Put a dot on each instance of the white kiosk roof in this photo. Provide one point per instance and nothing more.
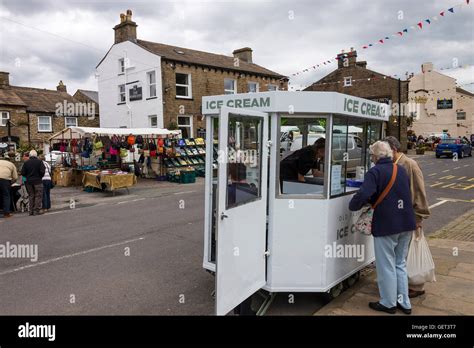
(77, 132)
(299, 102)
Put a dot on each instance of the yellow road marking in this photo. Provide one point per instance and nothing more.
(432, 174)
(448, 177)
(471, 179)
(447, 170)
(448, 185)
(462, 186)
(462, 177)
(457, 167)
(439, 183)
(456, 200)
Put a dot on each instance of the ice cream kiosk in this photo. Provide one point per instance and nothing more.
(265, 229)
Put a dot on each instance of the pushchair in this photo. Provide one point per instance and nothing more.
(23, 202)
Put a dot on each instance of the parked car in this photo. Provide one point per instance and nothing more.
(448, 147)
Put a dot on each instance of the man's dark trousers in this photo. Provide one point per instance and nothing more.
(35, 196)
(5, 195)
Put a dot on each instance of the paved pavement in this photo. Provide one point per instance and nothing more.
(452, 248)
(82, 251)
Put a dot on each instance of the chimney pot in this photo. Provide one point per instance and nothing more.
(244, 54)
(126, 30)
(61, 87)
(4, 79)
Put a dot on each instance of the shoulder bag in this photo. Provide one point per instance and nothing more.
(364, 222)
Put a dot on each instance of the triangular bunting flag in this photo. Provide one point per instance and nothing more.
(386, 38)
(420, 25)
(441, 14)
(381, 41)
(364, 47)
(467, 2)
(405, 30)
(428, 21)
(400, 33)
(435, 18)
(370, 44)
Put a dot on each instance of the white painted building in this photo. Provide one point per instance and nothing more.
(130, 88)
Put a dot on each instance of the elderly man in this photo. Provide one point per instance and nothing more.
(33, 170)
(8, 175)
(418, 194)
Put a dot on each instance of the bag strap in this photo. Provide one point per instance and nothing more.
(388, 188)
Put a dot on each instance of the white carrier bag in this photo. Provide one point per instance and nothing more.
(420, 264)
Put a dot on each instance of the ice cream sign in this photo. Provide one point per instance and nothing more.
(250, 103)
(364, 108)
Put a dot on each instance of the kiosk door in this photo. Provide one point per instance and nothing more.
(242, 206)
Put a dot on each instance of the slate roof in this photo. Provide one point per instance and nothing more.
(94, 95)
(35, 99)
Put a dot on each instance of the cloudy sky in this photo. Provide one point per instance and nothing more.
(42, 42)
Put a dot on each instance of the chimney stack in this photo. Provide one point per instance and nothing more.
(126, 30)
(426, 67)
(4, 79)
(61, 87)
(349, 57)
(244, 54)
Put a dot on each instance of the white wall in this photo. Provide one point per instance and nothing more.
(141, 62)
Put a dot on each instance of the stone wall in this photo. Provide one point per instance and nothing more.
(205, 82)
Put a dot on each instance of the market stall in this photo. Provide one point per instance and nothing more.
(103, 157)
(286, 229)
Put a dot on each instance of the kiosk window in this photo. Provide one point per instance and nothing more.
(302, 152)
(349, 154)
(243, 160)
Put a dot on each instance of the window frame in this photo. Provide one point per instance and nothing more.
(234, 82)
(273, 85)
(259, 135)
(190, 125)
(121, 66)
(150, 84)
(150, 123)
(347, 81)
(124, 93)
(50, 124)
(4, 119)
(461, 112)
(257, 86)
(325, 194)
(70, 117)
(188, 86)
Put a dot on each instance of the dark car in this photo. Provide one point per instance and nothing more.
(448, 147)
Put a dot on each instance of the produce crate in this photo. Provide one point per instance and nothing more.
(188, 177)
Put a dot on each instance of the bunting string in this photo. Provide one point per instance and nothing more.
(422, 24)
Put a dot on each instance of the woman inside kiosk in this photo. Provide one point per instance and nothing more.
(299, 163)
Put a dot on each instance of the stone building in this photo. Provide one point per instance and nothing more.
(149, 84)
(444, 106)
(32, 115)
(352, 77)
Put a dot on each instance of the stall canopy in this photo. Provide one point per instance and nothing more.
(79, 132)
